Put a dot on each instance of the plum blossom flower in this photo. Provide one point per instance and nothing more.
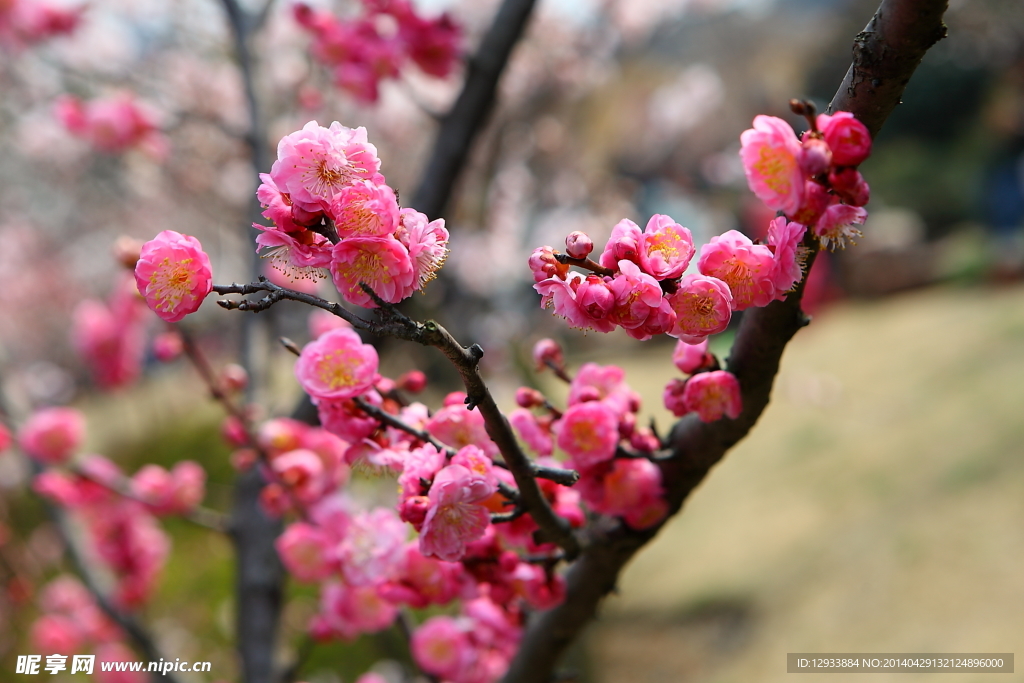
(637, 295)
(744, 266)
(316, 163)
(173, 274)
(458, 427)
(589, 432)
(456, 516)
(665, 248)
(52, 435)
(784, 237)
(427, 243)
(703, 307)
(623, 244)
(169, 493)
(713, 394)
(442, 647)
(562, 297)
(847, 137)
(337, 365)
(372, 548)
(383, 263)
(692, 357)
(770, 153)
(365, 209)
(306, 551)
(836, 226)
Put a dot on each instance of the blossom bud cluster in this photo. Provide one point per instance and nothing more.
(638, 283)
(113, 124)
(598, 430)
(71, 622)
(709, 392)
(376, 45)
(332, 212)
(26, 22)
(122, 529)
(813, 180)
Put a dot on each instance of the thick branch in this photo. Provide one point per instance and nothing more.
(393, 323)
(885, 55)
(460, 126)
(900, 33)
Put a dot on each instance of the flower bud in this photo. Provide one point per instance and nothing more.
(529, 398)
(815, 156)
(547, 351)
(578, 244)
(234, 377)
(167, 346)
(413, 381)
(544, 265)
(126, 251)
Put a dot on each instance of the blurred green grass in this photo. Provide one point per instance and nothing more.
(878, 506)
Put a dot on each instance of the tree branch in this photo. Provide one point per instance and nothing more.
(461, 125)
(884, 60)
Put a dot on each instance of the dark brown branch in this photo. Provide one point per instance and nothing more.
(900, 33)
(390, 420)
(394, 323)
(460, 126)
(885, 55)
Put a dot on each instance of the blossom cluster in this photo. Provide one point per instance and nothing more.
(26, 22)
(110, 336)
(638, 283)
(453, 491)
(71, 622)
(113, 124)
(119, 513)
(333, 212)
(709, 392)
(813, 180)
(366, 50)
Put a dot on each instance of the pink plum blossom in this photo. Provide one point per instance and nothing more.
(316, 163)
(424, 581)
(110, 336)
(744, 266)
(372, 548)
(348, 611)
(442, 647)
(770, 153)
(383, 263)
(306, 551)
(337, 365)
(606, 383)
(637, 295)
(665, 248)
(713, 394)
(836, 226)
(458, 427)
(850, 186)
(561, 296)
(589, 432)
(427, 242)
(365, 209)
(52, 435)
(623, 244)
(847, 137)
(815, 156)
(432, 44)
(529, 430)
(112, 125)
(170, 493)
(301, 471)
(544, 265)
(703, 306)
(174, 275)
(456, 516)
(784, 237)
(692, 357)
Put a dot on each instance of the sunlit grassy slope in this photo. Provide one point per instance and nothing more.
(878, 506)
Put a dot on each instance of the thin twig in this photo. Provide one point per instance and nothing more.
(399, 424)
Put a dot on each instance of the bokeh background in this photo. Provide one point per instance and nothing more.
(877, 507)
